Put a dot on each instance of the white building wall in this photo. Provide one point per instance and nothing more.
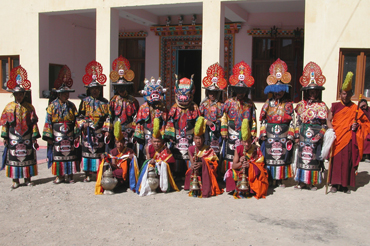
(329, 26)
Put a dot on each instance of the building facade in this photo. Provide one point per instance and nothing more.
(164, 37)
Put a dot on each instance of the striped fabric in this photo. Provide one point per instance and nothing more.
(21, 172)
(280, 172)
(308, 177)
(90, 165)
(63, 168)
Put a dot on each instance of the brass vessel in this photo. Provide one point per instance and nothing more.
(153, 181)
(108, 182)
(194, 182)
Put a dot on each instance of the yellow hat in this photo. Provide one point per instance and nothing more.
(347, 84)
(157, 128)
(245, 132)
(200, 126)
(117, 131)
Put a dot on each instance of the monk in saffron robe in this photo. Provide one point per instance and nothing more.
(249, 157)
(159, 158)
(365, 108)
(204, 162)
(350, 134)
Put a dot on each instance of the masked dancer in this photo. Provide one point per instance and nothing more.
(277, 124)
(61, 130)
(19, 131)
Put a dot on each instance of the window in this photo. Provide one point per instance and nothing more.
(354, 60)
(53, 74)
(7, 63)
(133, 49)
(266, 50)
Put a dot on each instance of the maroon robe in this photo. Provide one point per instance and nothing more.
(118, 172)
(342, 166)
(367, 140)
(203, 172)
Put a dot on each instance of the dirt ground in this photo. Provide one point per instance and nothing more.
(70, 214)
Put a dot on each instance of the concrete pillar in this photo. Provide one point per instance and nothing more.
(212, 35)
(107, 28)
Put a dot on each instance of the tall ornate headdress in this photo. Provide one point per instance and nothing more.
(94, 75)
(184, 90)
(18, 81)
(215, 79)
(312, 78)
(64, 81)
(121, 74)
(200, 126)
(347, 84)
(279, 77)
(241, 77)
(153, 90)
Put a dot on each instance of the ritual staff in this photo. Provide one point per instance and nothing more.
(121, 160)
(61, 130)
(203, 169)
(310, 128)
(160, 161)
(123, 106)
(365, 108)
(93, 114)
(180, 125)
(235, 110)
(19, 131)
(351, 127)
(153, 108)
(249, 163)
(211, 108)
(277, 124)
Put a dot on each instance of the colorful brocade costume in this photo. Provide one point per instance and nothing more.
(234, 112)
(163, 161)
(181, 122)
(180, 128)
(94, 112)
(124, 109)
(144, 123)
(207, 173)
(19, 128)
(256, 173)
(61, 128)
(310, 129)
(277, 125)
(153, 108)
(212, 111)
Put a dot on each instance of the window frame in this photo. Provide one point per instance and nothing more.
(122, 51)
(10, 61)
(360, 72)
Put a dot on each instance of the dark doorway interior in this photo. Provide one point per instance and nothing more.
(190, 62)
